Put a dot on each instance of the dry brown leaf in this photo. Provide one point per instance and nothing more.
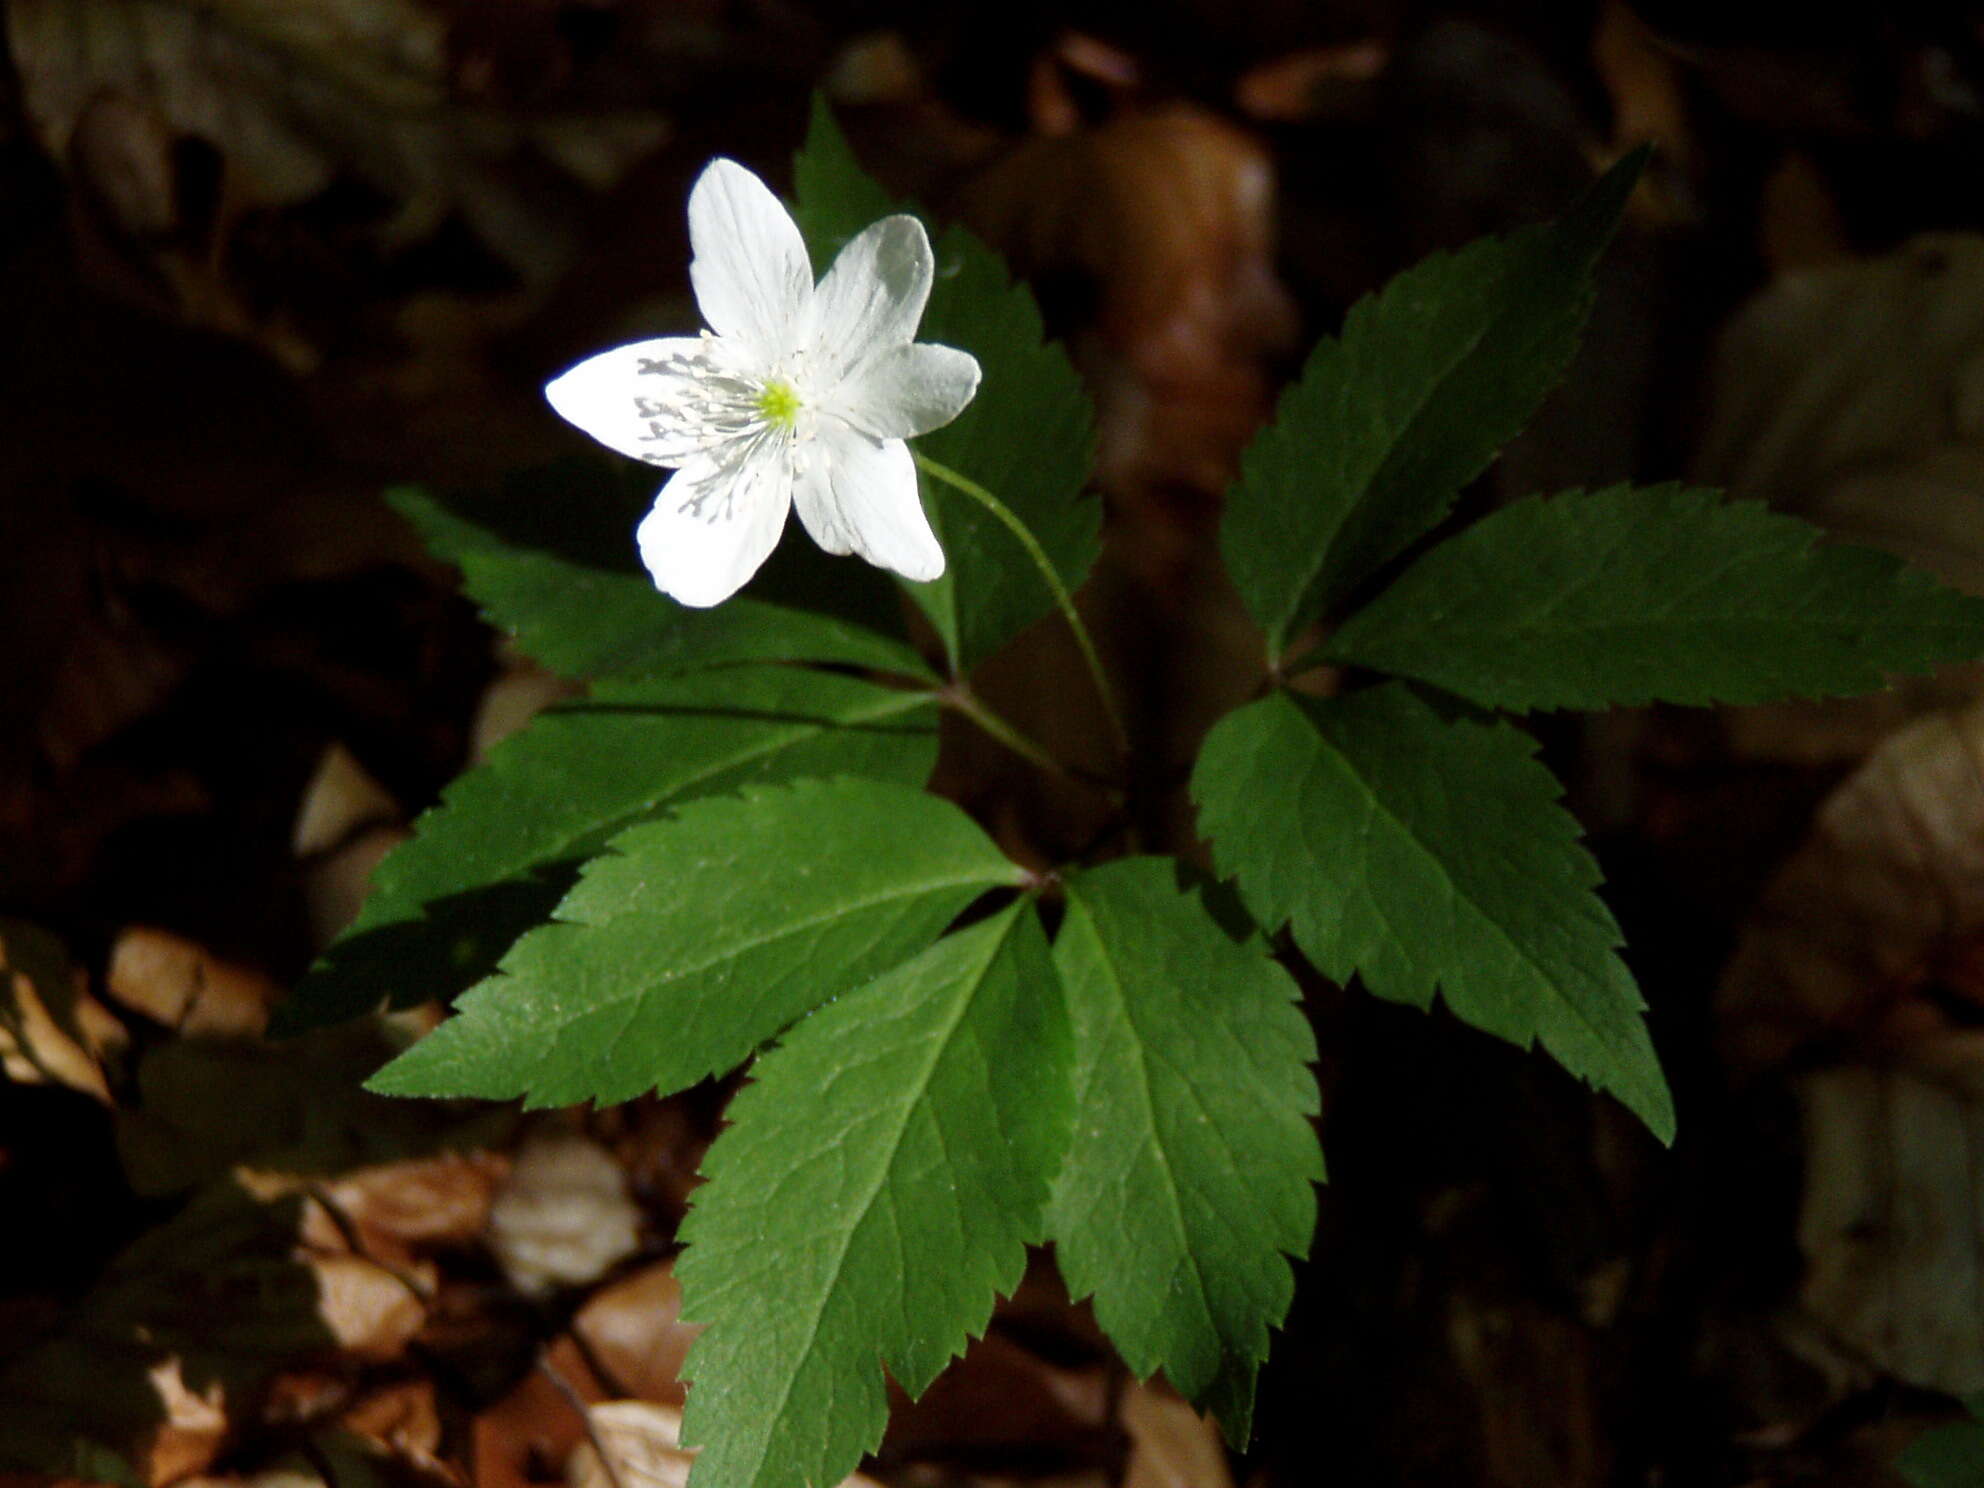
(1836, 732)
(306, 1393)
(391, 1212)
(659, 1144)
(397, 1208)
(1799, 224)
(1171, 1445)
(1530, 1374)
(1864, 955)
(178, 983)
(51, 1029)
(876, 67)
(1169, 214)
(166, 1352)
(122, 152)
(638, 1444)
(563, 1217)
(1334, 82)
(1889, 1224)
(335, 886)
(372, 1313)
(1052, 106)
(1859, 932)
(1649, 106)
(522, 1438)
(632, 1444)
(36, 1050)
(296, 93)
(210, 1106)
(1853, 396)
(341, 800)
(1167, 217)
(402, 1418)
(513, 700)
(1003, 1396)
(634, 1330)
(194, 1424)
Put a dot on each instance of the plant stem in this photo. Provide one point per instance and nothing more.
(1049, 574)
(967, 702)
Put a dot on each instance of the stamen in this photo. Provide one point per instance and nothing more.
(779, 403)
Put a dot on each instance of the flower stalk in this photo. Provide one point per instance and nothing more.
(1049, 575)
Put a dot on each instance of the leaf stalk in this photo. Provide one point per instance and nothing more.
(959, 696)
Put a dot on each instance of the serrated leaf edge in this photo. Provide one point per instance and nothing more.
(1013, 915)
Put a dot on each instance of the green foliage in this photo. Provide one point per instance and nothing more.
(1664, 594)
(759, 864)
(1189, 1177)
(209, 1106)
(1421, 853)
(834, 199)
(697, 938)
(1430, 377)
(1028, 436)
(499, 851)
(878, 1184)
(550, 559)
(1947, 1456)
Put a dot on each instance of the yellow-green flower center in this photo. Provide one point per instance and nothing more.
(778, 403)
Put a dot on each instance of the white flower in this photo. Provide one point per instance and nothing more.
(797, 395)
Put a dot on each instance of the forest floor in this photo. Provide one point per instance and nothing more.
(261, 264)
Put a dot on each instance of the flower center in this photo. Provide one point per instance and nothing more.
(778, 403)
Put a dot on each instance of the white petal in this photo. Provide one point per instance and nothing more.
(908, 390)
(858, 495)
(715, 523)
(750, 269)
(874, 294)
(623, 398)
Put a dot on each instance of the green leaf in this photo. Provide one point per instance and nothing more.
(1668, 594)
(1945, 1457)
(697, 938)
(833, 197)
(1388, 422)
(550, 560)
(1028, 436)
(878, 1184)
(500, 850)
(1421, 853)
(1190, 1175)
(208, 1106)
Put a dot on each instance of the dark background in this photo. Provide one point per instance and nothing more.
(255, 266)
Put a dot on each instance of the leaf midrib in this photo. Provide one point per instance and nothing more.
(737, 950)
(1361, 493)
(389, 885)
(1383, 808)
(939, 1046)
(1148, 1100)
